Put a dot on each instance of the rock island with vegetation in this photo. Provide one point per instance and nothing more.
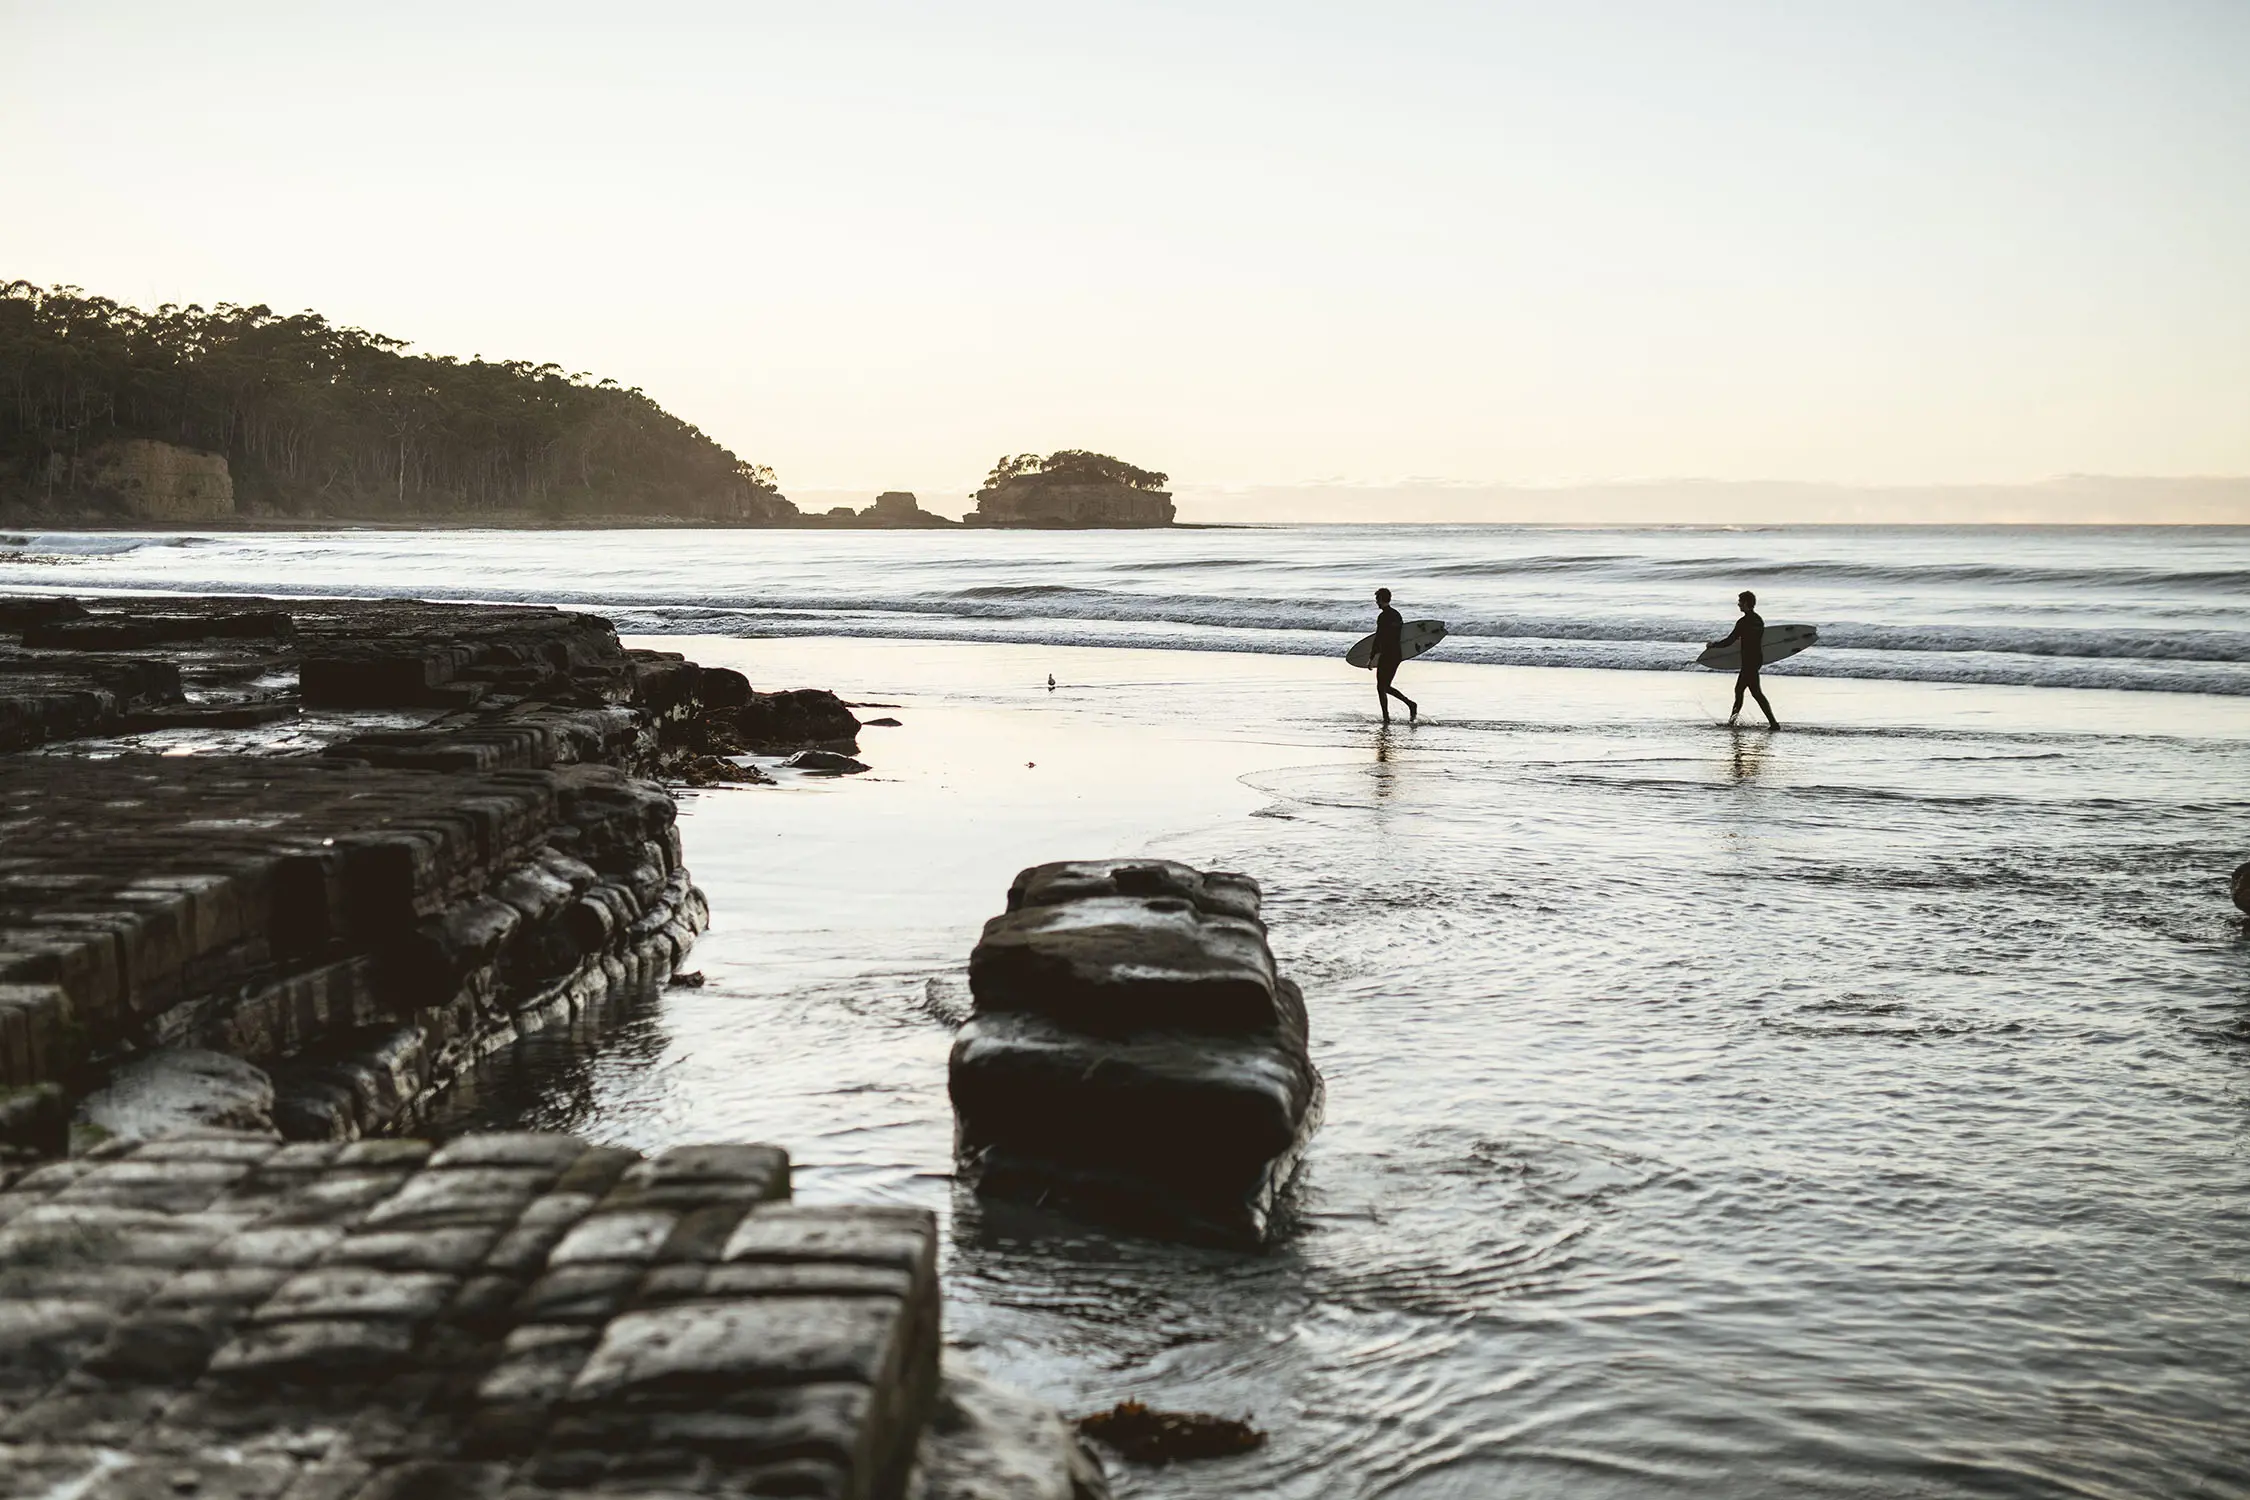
(1071, 488)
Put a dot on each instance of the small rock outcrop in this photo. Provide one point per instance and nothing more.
(824, 763)
(899, 508)
(2240, 888)
(1132, 1053)
(893, 510)
(727, 717)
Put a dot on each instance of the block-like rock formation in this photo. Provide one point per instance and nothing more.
(1045, 501)
(360, 933)
(442, 841)
(521, 1315)
(1132, 1052)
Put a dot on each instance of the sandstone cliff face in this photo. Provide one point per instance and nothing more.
(153, 481)
(1034, 501)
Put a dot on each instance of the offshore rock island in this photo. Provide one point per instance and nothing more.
(188, 416)
(1072, 488)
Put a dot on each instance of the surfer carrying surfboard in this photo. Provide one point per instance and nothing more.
(1389, 652)
(1750, 636)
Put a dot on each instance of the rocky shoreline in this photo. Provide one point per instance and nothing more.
(274, 875)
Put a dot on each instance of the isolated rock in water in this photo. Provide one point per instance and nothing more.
(1135, 1056)
(801, 718)
(986, 1442)
(2241, 886)
(1220, 892)
(824, 760)
(167, 1092)
(1115, 964)
(713, 770)
(1164, 1123)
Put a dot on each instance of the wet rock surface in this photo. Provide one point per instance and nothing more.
(361, 934)
(986, 1442)
(247, 965)
(179, 1089)
(426, 832)
(1132, 1053)
(824, 762)
(223, 1314)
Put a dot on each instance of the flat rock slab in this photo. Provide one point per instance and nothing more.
(165, 1092)
(222, 1314)
(1220, 892)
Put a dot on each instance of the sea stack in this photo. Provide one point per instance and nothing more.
(1071, 488)
(1132, 1054)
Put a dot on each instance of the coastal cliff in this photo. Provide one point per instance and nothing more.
(145, 480)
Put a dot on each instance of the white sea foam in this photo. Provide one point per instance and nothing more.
(2150, 608)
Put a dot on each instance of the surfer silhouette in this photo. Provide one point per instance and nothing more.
(1388, 653)
(1750, 635)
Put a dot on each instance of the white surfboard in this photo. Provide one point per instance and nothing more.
(1781, 641)
(1414, 638)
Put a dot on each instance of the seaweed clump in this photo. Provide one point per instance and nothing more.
(1161, 1437)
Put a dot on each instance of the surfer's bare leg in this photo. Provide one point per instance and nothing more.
(1748, 682)
(1384, 693)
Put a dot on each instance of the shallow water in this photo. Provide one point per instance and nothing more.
(2145, 608)
(1854, 1111)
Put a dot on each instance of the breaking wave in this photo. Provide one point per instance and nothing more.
(2149, 609)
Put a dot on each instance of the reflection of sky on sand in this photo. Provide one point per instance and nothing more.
(1840, 1111)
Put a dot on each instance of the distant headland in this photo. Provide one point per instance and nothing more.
(231, 415)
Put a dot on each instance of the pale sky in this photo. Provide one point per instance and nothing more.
(1253, 245)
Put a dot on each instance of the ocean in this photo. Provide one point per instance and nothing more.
(2143, 608)
(1856, 1110)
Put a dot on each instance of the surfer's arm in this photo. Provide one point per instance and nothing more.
(1732, 636)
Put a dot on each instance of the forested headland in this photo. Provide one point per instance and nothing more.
(319, 421)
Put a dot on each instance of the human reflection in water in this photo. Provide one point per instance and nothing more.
(1749, 756)
(1384, 775)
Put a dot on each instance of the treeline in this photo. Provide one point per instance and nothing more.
(1072, 466)
(315, 419)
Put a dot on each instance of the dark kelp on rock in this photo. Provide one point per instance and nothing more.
(1162, 1437)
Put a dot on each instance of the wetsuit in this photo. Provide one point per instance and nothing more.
(1750, 634)
(1388, 652)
